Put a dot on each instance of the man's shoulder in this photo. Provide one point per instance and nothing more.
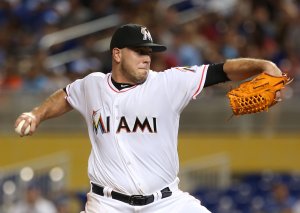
(154, 75)
(96, 74)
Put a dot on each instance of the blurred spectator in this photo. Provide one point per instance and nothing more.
(33, 202)
(33, 70)
(77, 13)
(101, 8)
(185, 46)
(62, 204)
(280, 200)
(10, 79)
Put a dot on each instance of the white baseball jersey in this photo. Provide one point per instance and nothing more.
(134, 131)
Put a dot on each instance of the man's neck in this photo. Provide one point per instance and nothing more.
(121, 86)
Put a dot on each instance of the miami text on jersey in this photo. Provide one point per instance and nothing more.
(148, 124)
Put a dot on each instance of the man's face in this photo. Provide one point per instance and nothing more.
(135, 64)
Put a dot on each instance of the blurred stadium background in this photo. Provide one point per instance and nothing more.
(247, 164)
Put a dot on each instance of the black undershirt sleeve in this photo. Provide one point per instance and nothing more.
(215, 74)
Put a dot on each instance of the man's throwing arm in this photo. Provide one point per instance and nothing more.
(54, 106)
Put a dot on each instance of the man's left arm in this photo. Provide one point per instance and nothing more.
(243, 68)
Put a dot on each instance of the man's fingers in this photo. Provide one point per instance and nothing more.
(32, 127)
(23, 128)
(29, 120)
(278, 96)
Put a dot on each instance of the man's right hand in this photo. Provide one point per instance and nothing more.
(30, 120)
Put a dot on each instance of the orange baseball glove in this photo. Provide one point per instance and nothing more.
(257, 94)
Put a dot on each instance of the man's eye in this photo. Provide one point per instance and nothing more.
(143, 52)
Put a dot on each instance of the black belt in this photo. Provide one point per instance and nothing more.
(134, 200)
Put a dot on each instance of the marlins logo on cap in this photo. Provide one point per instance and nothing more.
(146, 34)
(134, 35)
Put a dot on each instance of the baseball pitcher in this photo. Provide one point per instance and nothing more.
(132, 115)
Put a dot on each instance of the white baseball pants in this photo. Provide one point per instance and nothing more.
(178, 202)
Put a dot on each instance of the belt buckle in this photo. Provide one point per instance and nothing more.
(135, 200)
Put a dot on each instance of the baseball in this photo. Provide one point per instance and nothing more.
(19, 128)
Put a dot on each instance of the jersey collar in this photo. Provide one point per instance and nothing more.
(113, 88)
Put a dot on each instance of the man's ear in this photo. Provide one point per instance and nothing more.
(116, 55)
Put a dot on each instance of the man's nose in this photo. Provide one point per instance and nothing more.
(147, 59)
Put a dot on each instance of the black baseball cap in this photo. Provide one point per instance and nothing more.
(134, 35)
